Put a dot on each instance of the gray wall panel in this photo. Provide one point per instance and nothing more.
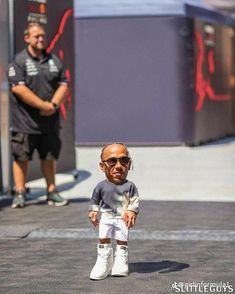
(133, 80)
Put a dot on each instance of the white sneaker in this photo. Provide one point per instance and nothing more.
(120, 267)
(104, 262)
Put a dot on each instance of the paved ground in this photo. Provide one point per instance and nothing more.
(188, 239)
(52, 250)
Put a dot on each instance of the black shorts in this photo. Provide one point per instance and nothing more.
(47, 145)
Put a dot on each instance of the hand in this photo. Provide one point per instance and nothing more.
(93, 217)
(47, 109)
(129, 218)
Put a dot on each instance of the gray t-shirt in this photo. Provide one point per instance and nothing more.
(109, 197)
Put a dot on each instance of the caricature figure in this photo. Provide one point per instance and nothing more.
(117, 200)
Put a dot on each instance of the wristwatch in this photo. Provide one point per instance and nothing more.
(56, 106)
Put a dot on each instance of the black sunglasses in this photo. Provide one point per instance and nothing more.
(113, 161)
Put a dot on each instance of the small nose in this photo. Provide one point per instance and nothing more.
(118, 164)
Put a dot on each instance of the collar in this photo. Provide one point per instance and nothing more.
(43, 59)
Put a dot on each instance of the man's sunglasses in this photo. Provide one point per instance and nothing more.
(113, 161)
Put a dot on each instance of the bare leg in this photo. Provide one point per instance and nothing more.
(105, 241)
(48, 168)
(20, 169)
(121, 242)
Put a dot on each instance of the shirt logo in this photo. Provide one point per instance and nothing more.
(31, 68)
(52, 66)
(11, 71)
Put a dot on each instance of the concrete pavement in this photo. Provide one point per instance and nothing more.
(179, 173)
(52, 250)
(185, 231)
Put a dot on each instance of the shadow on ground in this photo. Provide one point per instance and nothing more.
(36, 201)
(163, 267)
(36, 192)
(4, 202)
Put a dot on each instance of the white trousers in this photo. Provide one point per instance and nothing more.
(112, 227)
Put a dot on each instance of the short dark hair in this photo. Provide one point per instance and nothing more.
(118, 143)
(30, 25)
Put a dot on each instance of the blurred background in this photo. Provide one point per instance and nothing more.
(157, 75)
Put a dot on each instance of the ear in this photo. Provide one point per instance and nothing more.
(26, 39)
(130, 165)
(102, 166)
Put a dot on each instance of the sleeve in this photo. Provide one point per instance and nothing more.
(95, 199)
(134, 199)
(16, 74)
(63, 78)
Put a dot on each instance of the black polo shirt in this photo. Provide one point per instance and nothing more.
(43, 77)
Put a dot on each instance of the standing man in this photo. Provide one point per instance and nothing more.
(37, 87)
